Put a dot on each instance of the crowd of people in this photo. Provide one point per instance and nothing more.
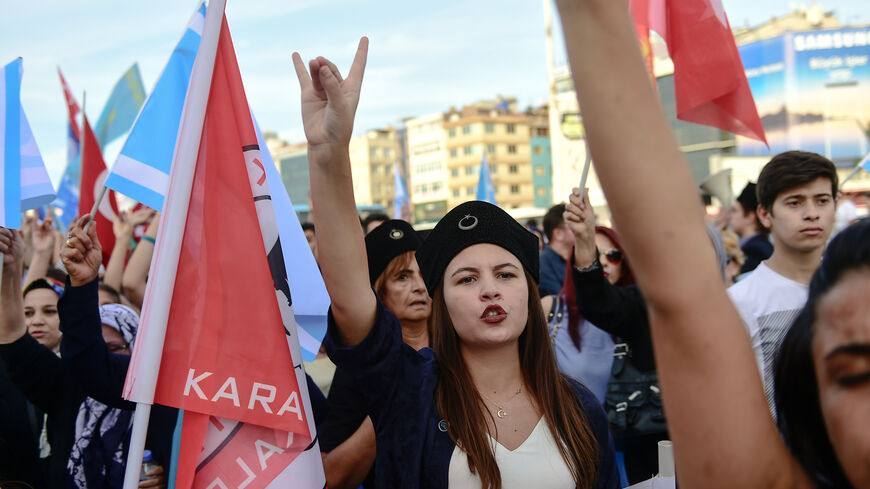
(488, 353)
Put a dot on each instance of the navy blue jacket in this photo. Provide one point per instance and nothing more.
(757, 249)
(400, 397)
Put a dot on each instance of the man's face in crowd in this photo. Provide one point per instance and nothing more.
(802, 217)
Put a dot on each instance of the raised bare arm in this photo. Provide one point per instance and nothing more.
(717, 415)
(328, 107)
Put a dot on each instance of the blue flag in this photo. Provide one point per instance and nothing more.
(25, 184)
(401, 205)
(141, 171)
(485, 190)
(122, 107)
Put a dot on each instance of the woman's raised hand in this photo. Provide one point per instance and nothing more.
(329, 102)
(12, 246)
(82, 253)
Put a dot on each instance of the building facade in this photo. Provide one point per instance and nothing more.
(427, 166)
(504, 136)
(372, 158)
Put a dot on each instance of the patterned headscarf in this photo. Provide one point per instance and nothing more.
(102, 437)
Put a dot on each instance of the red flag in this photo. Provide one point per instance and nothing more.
(709, 78)
(72, 106)
(94, 173)
(226, 360)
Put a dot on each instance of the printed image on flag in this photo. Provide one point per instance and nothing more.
(401, 204)
(141, 171)
(231, 357)
(25, 183)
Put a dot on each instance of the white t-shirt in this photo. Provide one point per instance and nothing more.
(536, 463)
(768, 304)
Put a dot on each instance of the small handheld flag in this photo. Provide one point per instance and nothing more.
(485, 189)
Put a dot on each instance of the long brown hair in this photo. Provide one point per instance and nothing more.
(463, 408)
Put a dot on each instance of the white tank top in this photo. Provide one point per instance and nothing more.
(536, 463)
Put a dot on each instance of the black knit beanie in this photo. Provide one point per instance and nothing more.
(472, 223)
(387, 241)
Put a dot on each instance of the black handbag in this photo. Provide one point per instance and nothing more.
(633, 400)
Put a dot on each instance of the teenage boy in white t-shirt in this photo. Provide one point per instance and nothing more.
(796, 203)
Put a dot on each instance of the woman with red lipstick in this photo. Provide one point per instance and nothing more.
(486, 406)
(347, 438)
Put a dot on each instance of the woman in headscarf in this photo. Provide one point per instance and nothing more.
(86, 438)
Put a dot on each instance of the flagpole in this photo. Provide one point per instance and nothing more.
(854, 171)
(155, 311)
(585, 173)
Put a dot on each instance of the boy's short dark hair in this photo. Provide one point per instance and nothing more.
(374, 216)
(791, 169)
(307, 226)
(553, 219)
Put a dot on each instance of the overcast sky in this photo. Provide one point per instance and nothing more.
(424, 56)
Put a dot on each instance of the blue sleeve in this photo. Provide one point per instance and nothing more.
(99, 373)
(608, 477)
(381, 362)
(552, 273)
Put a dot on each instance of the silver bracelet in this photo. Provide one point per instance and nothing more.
(596, 264)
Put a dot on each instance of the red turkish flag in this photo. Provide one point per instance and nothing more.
(710, 81)
(94, 174)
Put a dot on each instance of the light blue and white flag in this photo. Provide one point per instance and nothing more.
(121, 109)
(401, 205)
(865, 163)
(485, 189)
(310, 299)
(25, 183)
(141, 171)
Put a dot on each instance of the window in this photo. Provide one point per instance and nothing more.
(540, 171)
(376, 167)
(511, 128)
(515, 189)
(513, 169)
(436, 186)
(490, 148)
(469, 190)
(456, 192)
(468, 150)
(454, 172)
(493, 169)
(466, 129)
(469, 170)
(387, 152)
(512, 148)
(495, 189)
(489, 127)
(538, 150)
(541, 191)
(452, 133)
(373, 151)
(453, 153)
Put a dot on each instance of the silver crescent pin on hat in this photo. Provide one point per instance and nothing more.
(470, 225)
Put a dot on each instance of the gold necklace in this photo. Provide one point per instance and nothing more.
(501, 413)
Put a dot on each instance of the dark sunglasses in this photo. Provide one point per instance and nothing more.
(613, 255)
